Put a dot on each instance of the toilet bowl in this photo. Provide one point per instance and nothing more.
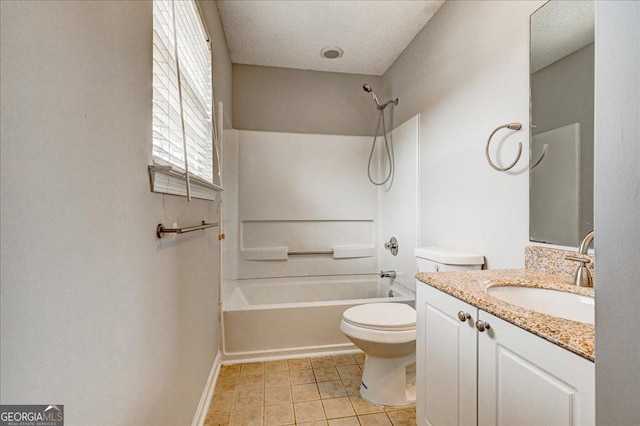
(386, 333)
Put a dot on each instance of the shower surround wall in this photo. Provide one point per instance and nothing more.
(398, 204)
(301, 193)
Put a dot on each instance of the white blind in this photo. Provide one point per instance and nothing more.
(194, 56)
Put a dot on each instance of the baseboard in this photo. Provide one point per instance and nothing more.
(309, 352)
(205, 399)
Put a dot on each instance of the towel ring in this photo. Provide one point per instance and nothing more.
(545, 147)
(511, 126)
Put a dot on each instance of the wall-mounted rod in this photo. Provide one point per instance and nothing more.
(161, 230)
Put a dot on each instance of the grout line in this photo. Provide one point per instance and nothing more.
(290, 385)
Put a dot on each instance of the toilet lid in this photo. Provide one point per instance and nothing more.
(385, 316)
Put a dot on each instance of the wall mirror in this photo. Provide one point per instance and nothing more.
(562, 109)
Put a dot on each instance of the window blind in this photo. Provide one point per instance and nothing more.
(179, 23)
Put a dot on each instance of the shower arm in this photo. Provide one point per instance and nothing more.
(384, 105)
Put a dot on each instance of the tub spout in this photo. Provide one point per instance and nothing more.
(387, 274)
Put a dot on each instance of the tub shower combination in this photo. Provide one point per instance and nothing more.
(324, 246)
(264, 318)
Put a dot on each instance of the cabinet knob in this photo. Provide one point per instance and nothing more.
(482, 326)
(463, 316)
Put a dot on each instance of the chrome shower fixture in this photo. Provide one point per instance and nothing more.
(388, 146)
(367, 88)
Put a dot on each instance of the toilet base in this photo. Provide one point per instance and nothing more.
(389, 381)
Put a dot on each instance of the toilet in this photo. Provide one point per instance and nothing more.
(434, 259)
(386, 333)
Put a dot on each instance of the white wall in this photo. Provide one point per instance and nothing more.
(398, 204)
(466, 73)
(304, 192)
(617, 212)
(96, 313)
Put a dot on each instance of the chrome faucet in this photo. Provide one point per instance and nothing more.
(387, 274)
(583, 277)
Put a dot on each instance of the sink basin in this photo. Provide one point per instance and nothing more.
(557, 303)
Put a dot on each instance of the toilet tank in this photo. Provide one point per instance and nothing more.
(435, 259)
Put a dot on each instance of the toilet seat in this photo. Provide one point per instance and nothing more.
(380, 322)
(386, 333)
(391, 317)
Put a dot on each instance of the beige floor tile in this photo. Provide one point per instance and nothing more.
(380, 419)
(229, 371)
(359, 357)
(406, 417)
(322, 362)
(217, 418)
(318, 423)
(249, 398)
(338, 407)
(222, 401)
(308, 392)
(363, 407)
(333, 389)
(308, 411)
(326, 374)
(278, 378)
(251, 381)
(279, 365)
(299, 377)
(252, 368)
(299, 364)
(346, 359)
(345, 421)
(352, 385)
(389, 408)
(247, 417)
(277, 395)
(227, 383)
(349, 371)
(281, 414)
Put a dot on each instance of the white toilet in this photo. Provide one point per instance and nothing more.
(434, 259)
(386, 333)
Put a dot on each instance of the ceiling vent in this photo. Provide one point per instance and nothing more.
(331, 52)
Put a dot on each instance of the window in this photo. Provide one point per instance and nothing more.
(182, 101)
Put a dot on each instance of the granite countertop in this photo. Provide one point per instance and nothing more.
(470, 287)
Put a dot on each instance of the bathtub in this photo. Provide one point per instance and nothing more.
(272, 318)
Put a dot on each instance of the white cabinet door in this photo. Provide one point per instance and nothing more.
(445, 360)
(526, 380)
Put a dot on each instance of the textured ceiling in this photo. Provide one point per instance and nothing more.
(560, 28)
(290, 34)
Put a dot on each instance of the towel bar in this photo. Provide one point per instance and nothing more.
(161, 230)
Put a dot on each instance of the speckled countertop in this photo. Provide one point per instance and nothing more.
(470, 287)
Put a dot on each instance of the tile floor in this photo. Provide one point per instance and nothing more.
(311, 391)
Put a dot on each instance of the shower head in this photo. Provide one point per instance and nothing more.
(367, 88)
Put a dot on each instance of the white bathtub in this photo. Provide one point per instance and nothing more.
(264, 318)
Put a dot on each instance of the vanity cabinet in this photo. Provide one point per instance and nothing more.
(446, 359)
(503, 375)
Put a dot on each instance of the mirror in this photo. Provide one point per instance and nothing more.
(562, 109)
